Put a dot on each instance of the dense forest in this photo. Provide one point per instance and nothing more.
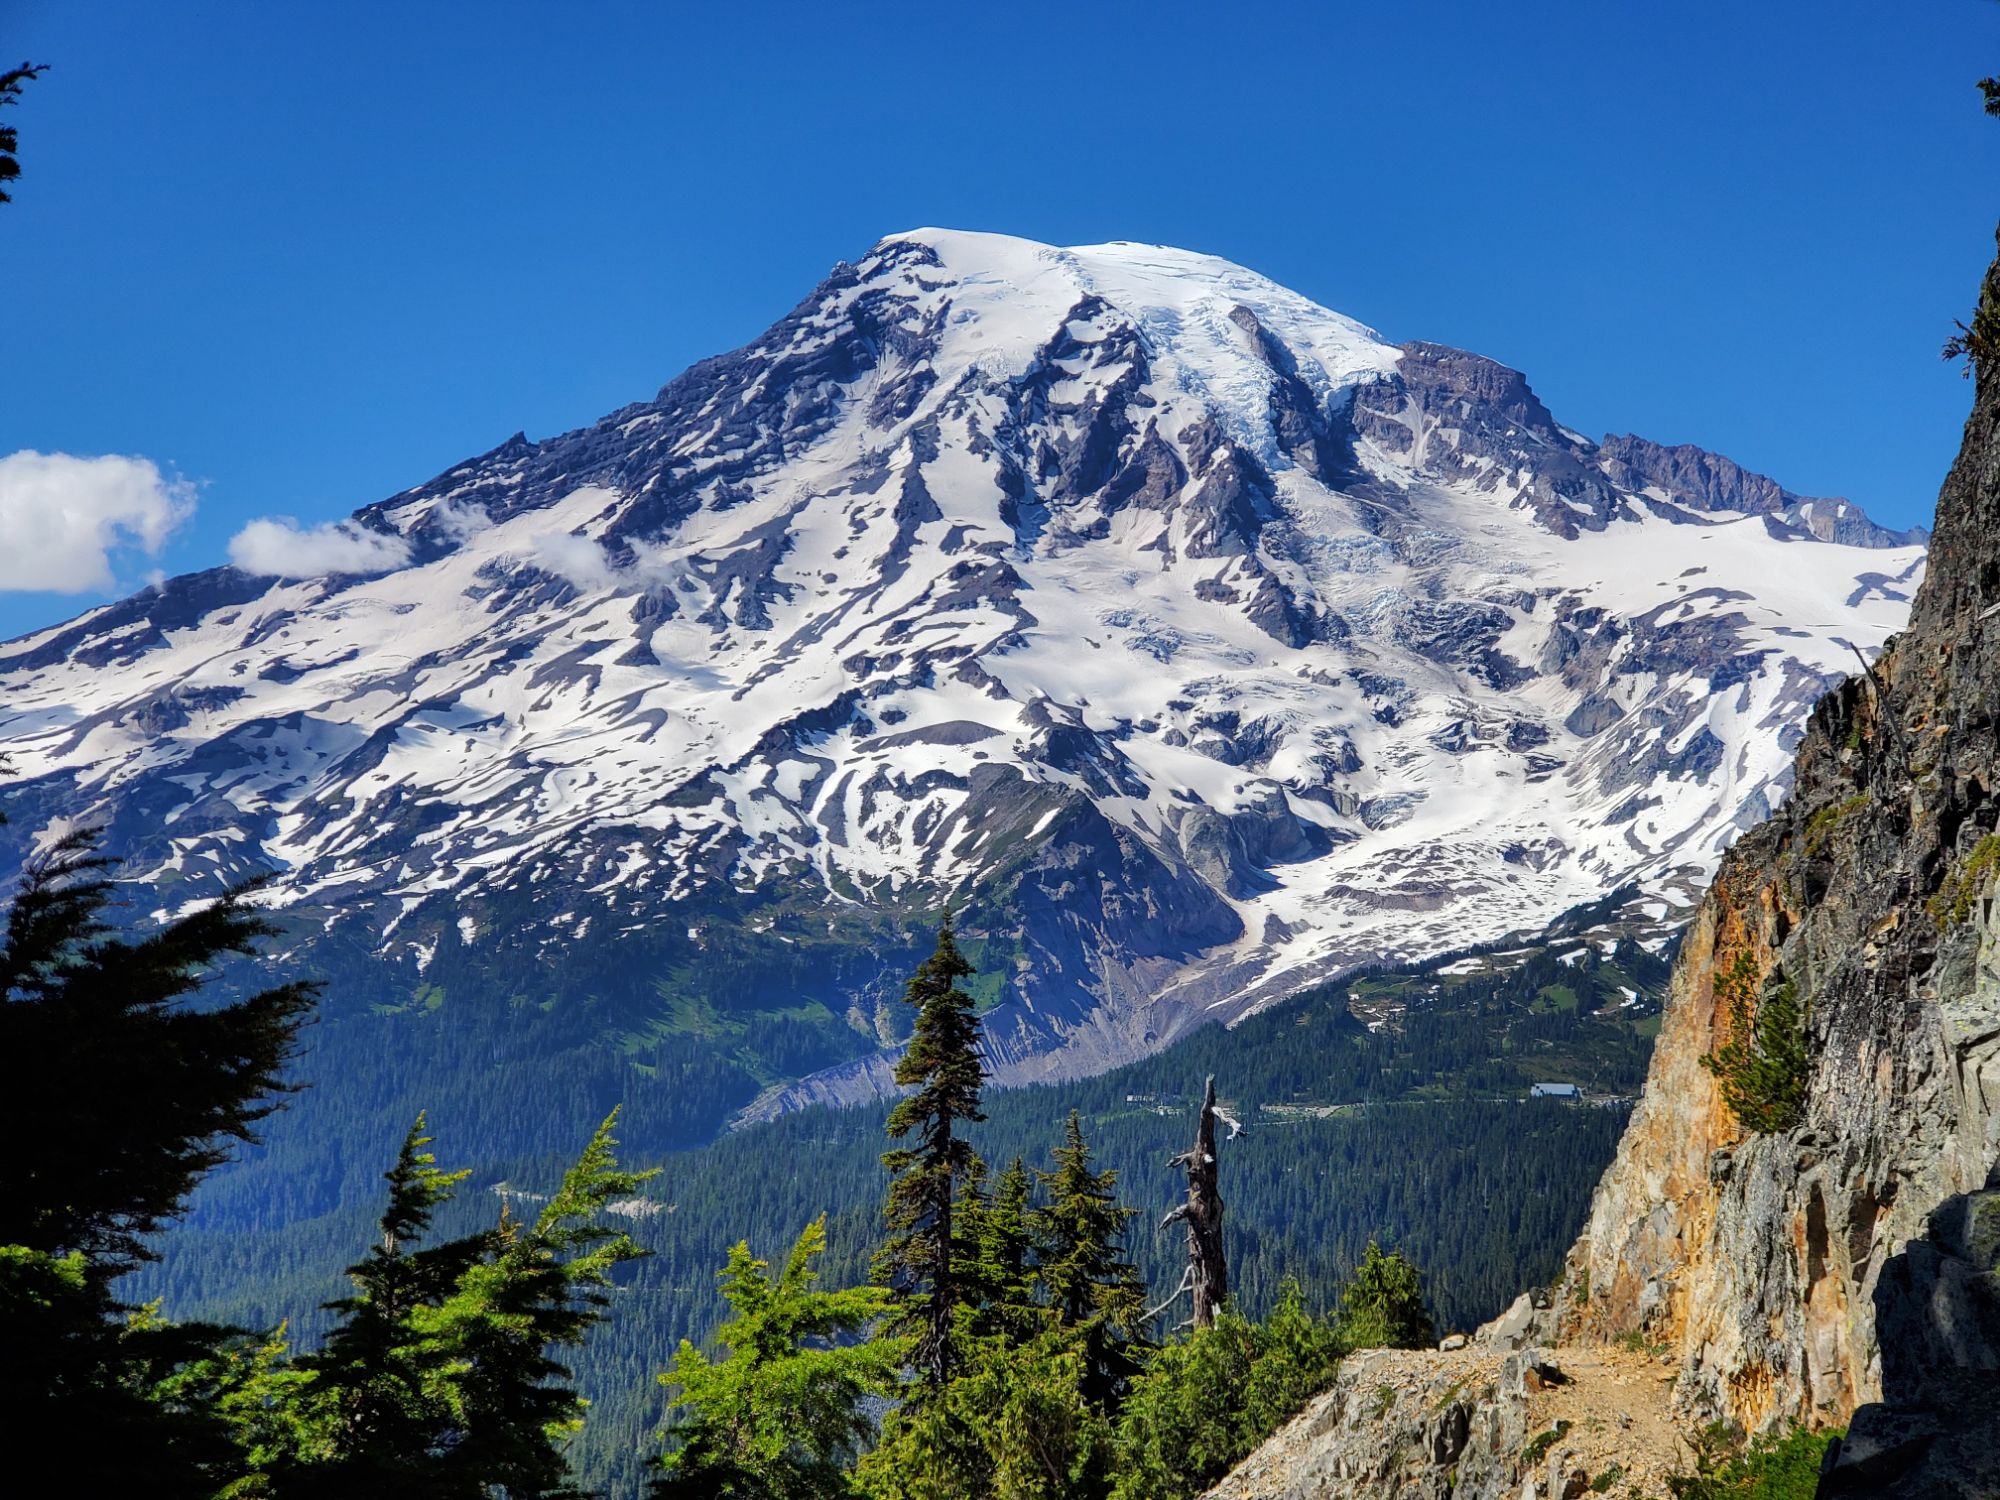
(1418, 1133)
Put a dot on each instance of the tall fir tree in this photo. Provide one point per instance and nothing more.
(549, 1283)
(942, 1069)
(116, 1096)
(378, 1397)
(1092, 1288)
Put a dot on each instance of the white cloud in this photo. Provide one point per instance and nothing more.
(575, 558)
(61, 517)
(462, 520)
(279, 548)
(587, 565)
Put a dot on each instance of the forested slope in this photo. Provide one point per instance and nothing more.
(1418, 1132)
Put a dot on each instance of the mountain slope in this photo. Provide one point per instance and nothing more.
(1198, 640)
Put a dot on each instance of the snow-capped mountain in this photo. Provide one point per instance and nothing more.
(1195, 639)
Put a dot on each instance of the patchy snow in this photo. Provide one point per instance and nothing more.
(802, 670)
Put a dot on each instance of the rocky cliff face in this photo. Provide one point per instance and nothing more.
(1841, 1266)
(1848, 1262)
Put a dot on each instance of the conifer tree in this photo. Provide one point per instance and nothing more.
(1206, 1401)
(379, 1393)
(1383, 1307)
(941, 1067)
(11, 83)
(779, 1418)
(115, 1098)
(439, 1381)
(548, 1284)
(996, 1251)
(1092, 1288)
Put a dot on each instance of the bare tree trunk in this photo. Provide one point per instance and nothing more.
(1208, 1270)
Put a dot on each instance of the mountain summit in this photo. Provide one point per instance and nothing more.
(1195, 639)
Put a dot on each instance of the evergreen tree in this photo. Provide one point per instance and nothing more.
(1206, 1401)
(116, 1096)
(1014, 1424)
(11, 83)
(779, 1418)
(1297, 1357)
(1091, 1286)
(378, 1402)
(942, 1069)
(549, 1283)
(1383, 1307)
(1184, 1423)
(1763, 1069)
(996, 1249)
(439, 1381)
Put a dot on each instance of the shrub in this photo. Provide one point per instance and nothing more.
(1207, 1400)
(1776, 1466)
(1762, 1068)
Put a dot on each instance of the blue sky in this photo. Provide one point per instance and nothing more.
(300, 258)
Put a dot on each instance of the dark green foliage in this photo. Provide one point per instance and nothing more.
(1352, 1134)
(995, 1258)
(782, 1416)
(1205, 1401)
(942, 1069)
(1383, 1306)
(440, 1380)
(1013, 1425)
(116, 1095)
(1762, 1068)
(1776, 1466)
(11, 83)
(1089, 1285)
(378, 1394)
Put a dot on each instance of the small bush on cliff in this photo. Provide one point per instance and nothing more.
(1762, 1068)
(1977, 343)
(1772, 1467)
(1821, 825)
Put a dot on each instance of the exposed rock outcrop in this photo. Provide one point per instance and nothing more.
(1473, 1424)
(1846, 1266)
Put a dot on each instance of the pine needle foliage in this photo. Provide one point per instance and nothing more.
(441, 1380)
(11, 83)
(1090, 1285)
(116, 1096)
(784, 1414)
(1383, 1306)
(1763, 1067)
(943, 1072)
(1205, 1401)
